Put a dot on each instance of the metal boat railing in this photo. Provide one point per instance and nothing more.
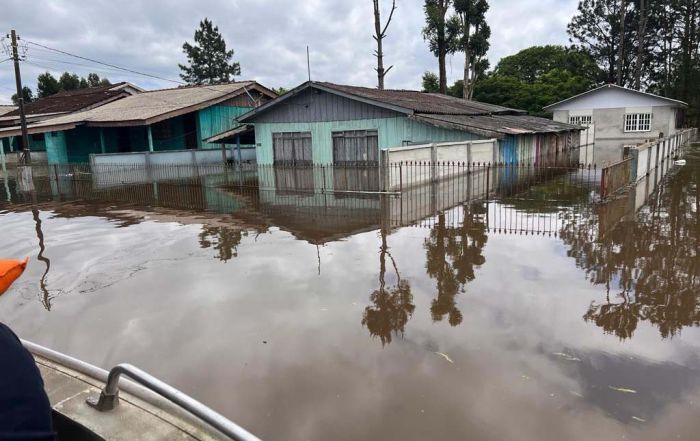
(109, 398)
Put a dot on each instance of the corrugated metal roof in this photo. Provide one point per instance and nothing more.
(4, 110)
(150, 107)
(496, 125)
(73, 100)
(422, 102)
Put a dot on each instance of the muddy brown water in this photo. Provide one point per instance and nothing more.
(542, 317)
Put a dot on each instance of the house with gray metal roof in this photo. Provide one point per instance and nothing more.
(159, 120)
(325, 123)
(617, 117)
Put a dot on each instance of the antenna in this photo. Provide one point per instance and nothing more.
(308, 62)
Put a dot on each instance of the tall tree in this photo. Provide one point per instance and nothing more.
(472, 38)
(209, 61)
(379, 35)
(435, 33)
(597, 28)
(47, 85)
(643, 18)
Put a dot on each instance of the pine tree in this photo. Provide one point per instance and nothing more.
(27, 95)
(209, 60)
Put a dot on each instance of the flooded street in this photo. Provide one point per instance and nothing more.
(534, 316)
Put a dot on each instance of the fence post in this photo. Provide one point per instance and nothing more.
(433, 162)
(634, 156)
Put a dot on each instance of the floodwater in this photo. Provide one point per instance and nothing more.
(539, 316)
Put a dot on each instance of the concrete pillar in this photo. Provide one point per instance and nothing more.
(634, 155)
(150, 139)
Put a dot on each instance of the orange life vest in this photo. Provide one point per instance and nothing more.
(10, 270)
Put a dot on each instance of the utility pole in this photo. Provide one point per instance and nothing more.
(26, 157)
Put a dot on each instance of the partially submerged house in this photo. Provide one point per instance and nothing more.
(325, 123)
(168, 119)
(617, 116)
(59, 104)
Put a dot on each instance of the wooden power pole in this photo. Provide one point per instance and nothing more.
(26, 157)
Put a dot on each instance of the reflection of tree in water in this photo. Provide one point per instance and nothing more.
(392, 306)
(653, 262)
(452, 255)
(224, 240)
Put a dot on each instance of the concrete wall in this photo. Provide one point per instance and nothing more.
(392, 132)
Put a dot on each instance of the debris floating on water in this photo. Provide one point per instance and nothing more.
(623, 390)
(641, 420)
(566, 356)
(445, 356)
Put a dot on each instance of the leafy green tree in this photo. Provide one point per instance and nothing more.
(436, 34)
(27, 95)
(209, 62)
(538, 76)
(47, 85)
(69, 81)
(280, 90)
(431, 83)
(94, 80)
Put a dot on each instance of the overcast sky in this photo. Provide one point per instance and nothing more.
(269, 37)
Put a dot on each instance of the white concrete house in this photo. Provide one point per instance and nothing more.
(618, 117)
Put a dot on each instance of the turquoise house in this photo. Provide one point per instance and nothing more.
(168, 119)
(325, 123)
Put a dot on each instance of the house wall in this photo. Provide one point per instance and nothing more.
(216, 119)
(56, 149)
(392, 132)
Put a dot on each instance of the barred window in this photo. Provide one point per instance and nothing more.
(580, 120)
(353, 146)
(292, 148)
(637, 122)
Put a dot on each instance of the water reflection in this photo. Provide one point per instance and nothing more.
(392, 306)
(46, 296)
(452, 254)
(648, 262)
(224, 240)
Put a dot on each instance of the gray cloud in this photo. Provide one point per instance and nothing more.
(269, 36)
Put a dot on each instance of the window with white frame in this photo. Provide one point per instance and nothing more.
(637, 122)
(580, 120)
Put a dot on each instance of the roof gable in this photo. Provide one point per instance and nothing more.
(612, 96)
(407, 102)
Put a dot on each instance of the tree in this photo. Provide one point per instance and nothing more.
(47, 85)
(69, 81)
(280, 90)
(473, 35)
(431, 83)
(598, 29)
(435, 33)
(538, 76)
(209, 62)
(94, 80)
(379, 35)
(27, 95)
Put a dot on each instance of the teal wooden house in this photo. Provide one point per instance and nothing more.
(324, 123)
(160, 120)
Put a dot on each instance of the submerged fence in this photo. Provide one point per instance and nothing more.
(641, 161)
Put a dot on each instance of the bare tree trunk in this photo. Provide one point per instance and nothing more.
(641, 31)
(442, 45)
(379, 34)
(621, 52)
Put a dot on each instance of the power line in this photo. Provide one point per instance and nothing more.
(105, 64)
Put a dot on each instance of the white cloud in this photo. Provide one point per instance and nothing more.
(269, 36)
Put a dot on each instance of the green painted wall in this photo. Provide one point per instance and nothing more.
(56, 148)
(393, 132)
(214, 120)
(81, 142)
